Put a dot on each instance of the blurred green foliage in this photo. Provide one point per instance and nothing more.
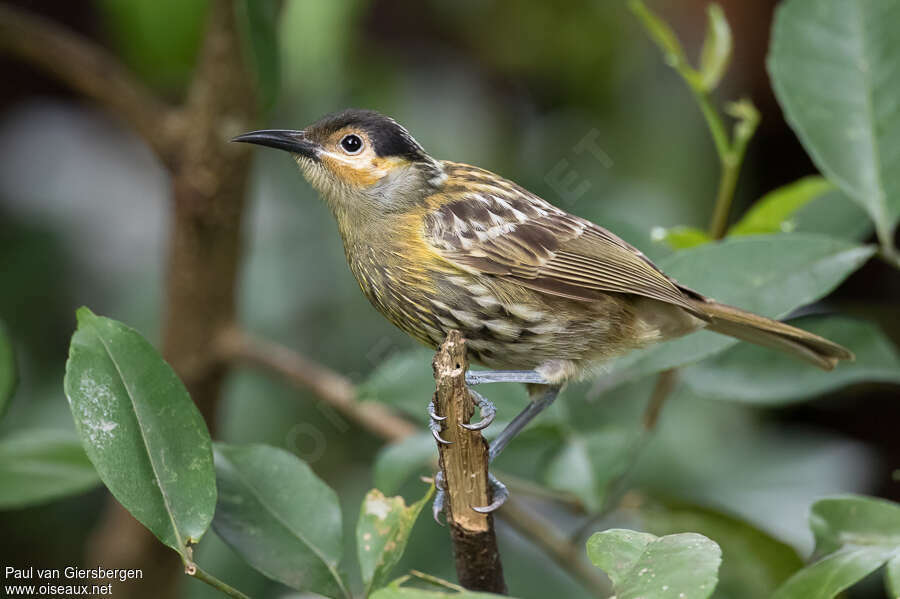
(517, 88)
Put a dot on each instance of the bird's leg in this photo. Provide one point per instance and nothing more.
(535, 407)
(499, 492)
(477, 377)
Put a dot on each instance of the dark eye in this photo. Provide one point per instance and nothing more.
(351, 143)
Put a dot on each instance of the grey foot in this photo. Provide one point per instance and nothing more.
(499, 492)
(435, 425)
(488, 411)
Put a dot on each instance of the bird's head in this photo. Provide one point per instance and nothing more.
(359, 160)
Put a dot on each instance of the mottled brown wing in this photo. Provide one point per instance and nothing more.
(491, 226)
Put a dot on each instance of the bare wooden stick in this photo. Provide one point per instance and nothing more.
(464, 462)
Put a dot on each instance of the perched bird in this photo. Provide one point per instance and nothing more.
(543, 296)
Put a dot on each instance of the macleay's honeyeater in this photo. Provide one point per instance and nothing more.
(541, 295)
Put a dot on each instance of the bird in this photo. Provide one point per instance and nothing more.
(542, 297)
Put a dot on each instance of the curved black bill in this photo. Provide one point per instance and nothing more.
(283, 139)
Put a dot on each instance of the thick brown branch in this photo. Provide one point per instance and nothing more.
(329, 386)
(464, 462)
(91, 71)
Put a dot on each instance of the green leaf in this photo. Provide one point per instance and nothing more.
(766, 274)
(280, 517)
(892, 577)
(40, 465)
(8, 371)
(397, 462)
(587, 463)
(854, 520)
(772, 213)
(856, 535)
(835, 215)
(681, 238)
(645, 566)
(832, 574)
(258, 25)
(753, 374)
(753, 563)
(141, 430)
(717, 46)
(833, 65)
(384, 526)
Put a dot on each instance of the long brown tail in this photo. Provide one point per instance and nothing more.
(747, 326)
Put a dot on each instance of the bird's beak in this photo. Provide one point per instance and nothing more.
(283, 139)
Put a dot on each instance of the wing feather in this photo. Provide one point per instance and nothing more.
(492, 226)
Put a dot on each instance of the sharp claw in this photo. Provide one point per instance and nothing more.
(439, 439)
(487, 509)
(477, 426)
(499, 492)
(435, 416)
(487, 410)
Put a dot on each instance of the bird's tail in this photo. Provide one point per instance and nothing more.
(760, 330)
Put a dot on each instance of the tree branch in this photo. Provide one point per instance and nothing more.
(93, 72)
(329, 386)
(464, 463)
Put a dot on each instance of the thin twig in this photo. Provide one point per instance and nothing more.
(91, 71)
(326, 384)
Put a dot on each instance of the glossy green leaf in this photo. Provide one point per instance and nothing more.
(892, 577)
(772, 213)
(855, 520)
(8, 371)
(832, 574)
(833, 65)
(40, 465)
(856, 534)
(754, 564)
(835, 215)
(681, 238)
(754, 374)
(645, 566)
(717, 46)
(766, 274)
(382, 531)
(141, 430)
(587, 463)
(280, 517)
(258, 24)
(397, 462)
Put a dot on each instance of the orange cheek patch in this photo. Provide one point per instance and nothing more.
(362, 175)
